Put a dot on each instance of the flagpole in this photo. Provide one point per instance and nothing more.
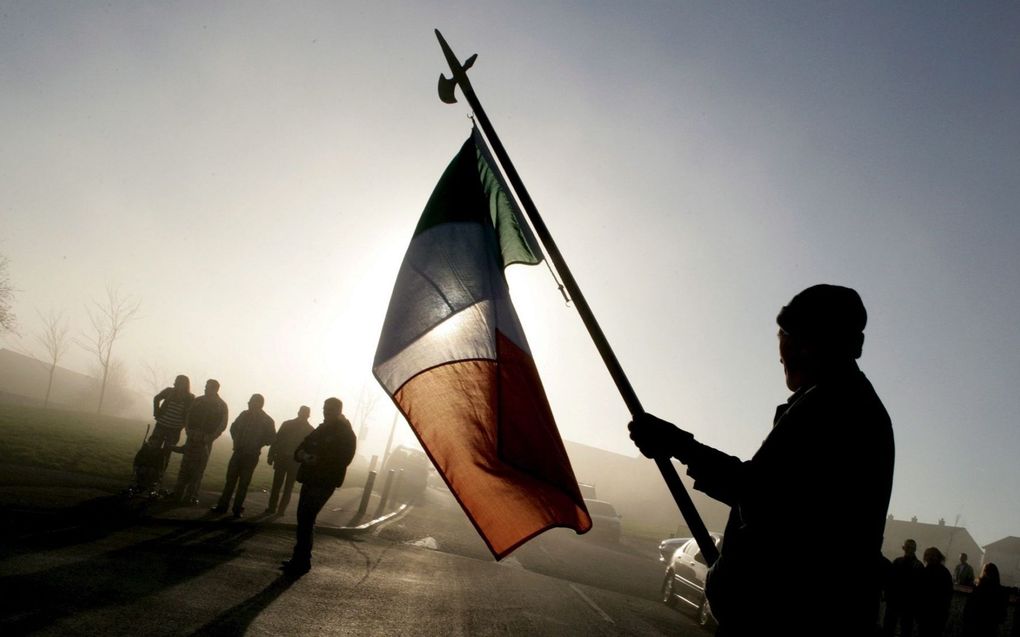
(666, 468)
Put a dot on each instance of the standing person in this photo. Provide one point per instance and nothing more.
(963, 574)
(324, 456)
(252, 430)
(281, 458)
(986, 606)
(934, 595)
(170, 409)
(206, 421)
(901, 592)
(828, 459)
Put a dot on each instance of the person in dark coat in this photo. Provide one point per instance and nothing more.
(206, 420)
(281, 458)
(934, 594)
(825, 469)
(324, 456)
(986, 606)
(252, 430)
(901, 592)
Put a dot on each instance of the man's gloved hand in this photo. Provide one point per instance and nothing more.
(657, 438)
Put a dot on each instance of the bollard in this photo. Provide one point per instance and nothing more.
(369, 481)
(385, 492)
(398, 485)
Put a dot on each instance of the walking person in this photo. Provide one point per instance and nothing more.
(324, 456)
(827, 459)
(170, 409)
(934, 595)
(252, 430)
(206, 421)
(281, 458)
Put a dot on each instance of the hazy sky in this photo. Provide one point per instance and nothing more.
(253, 172)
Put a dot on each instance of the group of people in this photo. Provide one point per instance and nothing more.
(920, 592)
(317, 457)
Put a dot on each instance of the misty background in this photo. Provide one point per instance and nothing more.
(251, 177)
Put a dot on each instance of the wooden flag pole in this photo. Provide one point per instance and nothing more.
(666, 468)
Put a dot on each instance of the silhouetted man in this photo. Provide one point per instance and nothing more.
(252, 430)
(206, 420)
(824, 470)
(170, 409)
(281, 458)
(963, 574)
(901, 592)
(324, 456)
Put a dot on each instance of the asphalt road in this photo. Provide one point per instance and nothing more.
(105, 572)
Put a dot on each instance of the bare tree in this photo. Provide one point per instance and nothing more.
(107, 319)
(364, 408)
(7, 321)
(156, 377)
(55, 339)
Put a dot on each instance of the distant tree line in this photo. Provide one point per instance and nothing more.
(108, 317)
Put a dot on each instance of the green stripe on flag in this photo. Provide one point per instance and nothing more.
(471, 190)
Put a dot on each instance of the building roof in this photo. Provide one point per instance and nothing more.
(1010, 544)
(947, 538)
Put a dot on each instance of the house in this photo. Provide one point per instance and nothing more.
(951, 540)
(1005, 554)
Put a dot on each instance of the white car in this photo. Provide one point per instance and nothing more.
(669, 546)
(684, 583)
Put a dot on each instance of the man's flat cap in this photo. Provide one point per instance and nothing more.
(824, 312)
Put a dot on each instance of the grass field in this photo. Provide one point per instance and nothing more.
(105, 446)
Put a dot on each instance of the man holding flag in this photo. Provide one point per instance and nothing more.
(824, 471)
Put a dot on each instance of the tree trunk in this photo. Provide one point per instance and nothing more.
(49, 386)
(102, 387)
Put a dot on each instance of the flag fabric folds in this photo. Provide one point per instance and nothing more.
(454, 357)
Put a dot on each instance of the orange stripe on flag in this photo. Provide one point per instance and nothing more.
(490, 433)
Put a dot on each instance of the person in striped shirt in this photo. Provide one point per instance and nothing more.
(170, 409)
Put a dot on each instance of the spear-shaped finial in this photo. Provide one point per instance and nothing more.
(446, 85)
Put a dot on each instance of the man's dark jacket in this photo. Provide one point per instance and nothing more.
(333, 444)
(807, 516)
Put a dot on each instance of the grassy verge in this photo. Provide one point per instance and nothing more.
(96, 445)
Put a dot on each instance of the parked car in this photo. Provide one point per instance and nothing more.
(416, 468)
(669, 546)
(684, 583)
(605, 521)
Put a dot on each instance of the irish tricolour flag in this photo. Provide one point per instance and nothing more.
(455, 360)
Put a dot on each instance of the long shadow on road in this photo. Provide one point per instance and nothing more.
(34, 601)
(235, 620)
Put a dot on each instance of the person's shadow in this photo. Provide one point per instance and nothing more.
(235, 620)
(37, 600)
